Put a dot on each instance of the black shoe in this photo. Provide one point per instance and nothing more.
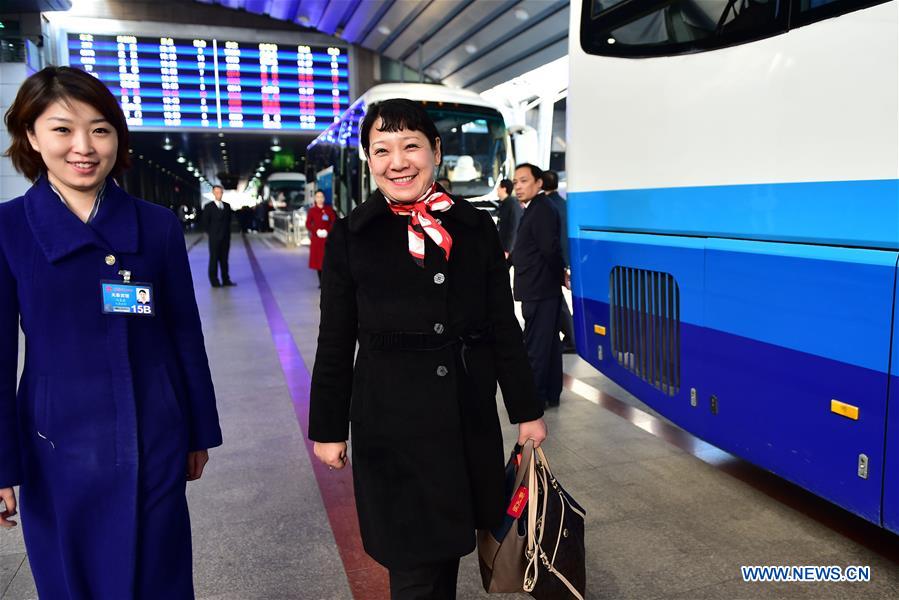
(215, 284)
(229, 283)
(552, 404)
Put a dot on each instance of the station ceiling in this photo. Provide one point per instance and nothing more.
(473, 44)
(28, 6)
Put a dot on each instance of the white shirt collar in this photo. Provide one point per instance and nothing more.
(528, 203)
(94, 209)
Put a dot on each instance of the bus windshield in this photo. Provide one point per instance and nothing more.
(287, 194)
(474, 149)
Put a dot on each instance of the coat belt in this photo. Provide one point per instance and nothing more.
(425, 342)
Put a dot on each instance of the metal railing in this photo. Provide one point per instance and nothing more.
(290, 227)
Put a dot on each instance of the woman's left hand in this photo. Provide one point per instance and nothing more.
(195, 462)
(532, 430)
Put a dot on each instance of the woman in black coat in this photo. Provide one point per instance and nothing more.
(419, 280)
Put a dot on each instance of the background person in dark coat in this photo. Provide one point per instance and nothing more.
(509, 216)
(216, 222)
(114, 411)
(551, 190)
(538, 278)
(427, 297)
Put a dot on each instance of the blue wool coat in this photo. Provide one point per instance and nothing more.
(108, 406)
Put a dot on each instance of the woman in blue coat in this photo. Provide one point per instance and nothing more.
(115, 410)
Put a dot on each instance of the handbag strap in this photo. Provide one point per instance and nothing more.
(532, 550)
(542, 458)
(527, 459)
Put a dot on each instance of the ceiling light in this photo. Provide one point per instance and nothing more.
(383, 29)
(521, 14)
(221, 134)
(268, 160)
(276, 148)
(221, 143)
(611, 40)
(181, 159)
(167, 144)
(471, 48)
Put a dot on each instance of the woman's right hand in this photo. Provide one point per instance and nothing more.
(8, 496)
(332, 454)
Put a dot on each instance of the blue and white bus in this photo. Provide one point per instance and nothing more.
(733, 190)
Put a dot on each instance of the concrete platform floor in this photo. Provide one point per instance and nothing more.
(667, 517)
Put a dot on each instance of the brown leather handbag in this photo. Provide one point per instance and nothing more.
(539, 548)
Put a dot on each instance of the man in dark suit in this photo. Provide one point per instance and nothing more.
(216, 222)
(539, 275)
(509, 215)
(551, 189)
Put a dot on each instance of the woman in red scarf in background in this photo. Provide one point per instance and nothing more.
(319, 221)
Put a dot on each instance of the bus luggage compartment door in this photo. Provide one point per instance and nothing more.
(797, 351)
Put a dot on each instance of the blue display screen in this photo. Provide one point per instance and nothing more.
(207, 83)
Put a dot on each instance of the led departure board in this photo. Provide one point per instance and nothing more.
(207, 83)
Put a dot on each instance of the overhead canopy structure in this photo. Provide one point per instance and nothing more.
(473, 44)
(26, 6)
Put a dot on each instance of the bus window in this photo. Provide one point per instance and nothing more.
(810, 11)
(474, 149)
(642, 28)
(645, 28)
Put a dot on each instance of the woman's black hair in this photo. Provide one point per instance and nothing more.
(59, 84)
(397, 114)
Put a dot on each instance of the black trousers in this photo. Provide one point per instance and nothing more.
(218, 257)
(428, 582)
(541, 339)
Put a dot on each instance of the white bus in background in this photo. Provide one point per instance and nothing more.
(287, 191)
(477, 151)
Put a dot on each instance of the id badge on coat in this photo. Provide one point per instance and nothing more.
(325, 217)
(131, 298)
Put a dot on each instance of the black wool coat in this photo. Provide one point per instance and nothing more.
(537, 255)
(427, 448)
(216, 222)
(509, 218)
(561, 206)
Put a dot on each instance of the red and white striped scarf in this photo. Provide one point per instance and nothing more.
(421, 223)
